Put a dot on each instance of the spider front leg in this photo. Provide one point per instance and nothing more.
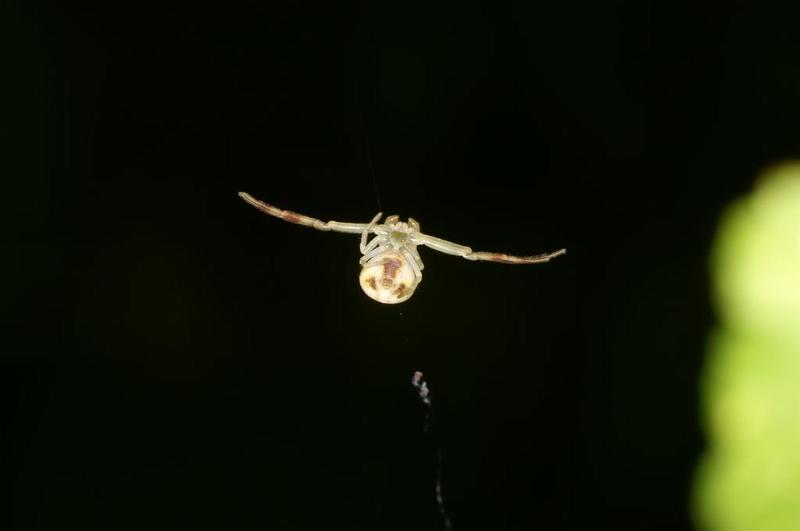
(307, 221)
(463, 251)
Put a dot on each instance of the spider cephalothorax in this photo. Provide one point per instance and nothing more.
(391, 268)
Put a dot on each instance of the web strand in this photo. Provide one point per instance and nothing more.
(368, 149)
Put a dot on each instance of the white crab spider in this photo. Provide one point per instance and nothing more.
(391, 266)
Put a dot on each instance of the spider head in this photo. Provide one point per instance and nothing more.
(398, 237)
(388, 278)
(400, 231)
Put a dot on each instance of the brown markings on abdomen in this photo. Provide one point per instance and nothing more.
(390, 267)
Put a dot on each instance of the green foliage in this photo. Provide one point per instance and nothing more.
(749, 478)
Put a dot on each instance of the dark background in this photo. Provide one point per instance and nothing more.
(174, 359)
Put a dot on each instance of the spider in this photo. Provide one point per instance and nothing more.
(391, 268)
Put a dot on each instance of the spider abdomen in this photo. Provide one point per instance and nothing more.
(388, 278)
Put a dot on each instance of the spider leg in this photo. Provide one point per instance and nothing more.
(372, 244)
(415, 254)
(416, 263)
(367, 230)
(463, 251)
(300, 219)
(380, 249)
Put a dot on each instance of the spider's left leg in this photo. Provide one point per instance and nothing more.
(463, 251)
(366, 231)
(381, 248)
(300, 219)
(371, 245)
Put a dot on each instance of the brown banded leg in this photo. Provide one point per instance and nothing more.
(300, 219)
(463, 251)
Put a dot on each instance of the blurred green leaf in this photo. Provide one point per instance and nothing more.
(749, 477)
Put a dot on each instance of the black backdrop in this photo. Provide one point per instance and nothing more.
(175, 359)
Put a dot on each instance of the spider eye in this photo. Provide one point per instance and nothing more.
(388, 278)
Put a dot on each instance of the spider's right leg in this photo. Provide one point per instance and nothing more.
(463, 251)
(413, 250)
(414, 262)
(300, 219)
